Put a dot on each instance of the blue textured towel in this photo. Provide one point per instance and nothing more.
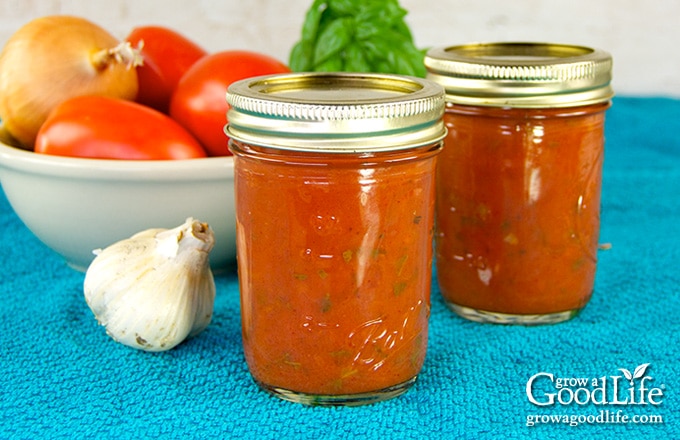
(62, 377)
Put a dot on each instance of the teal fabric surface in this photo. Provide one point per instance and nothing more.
(62, 377)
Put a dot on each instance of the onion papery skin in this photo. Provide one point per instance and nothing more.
(51, 59)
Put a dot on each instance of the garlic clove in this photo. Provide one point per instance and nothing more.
(155, 289)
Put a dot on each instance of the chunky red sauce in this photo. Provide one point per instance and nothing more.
(518, 208)
(334, 267)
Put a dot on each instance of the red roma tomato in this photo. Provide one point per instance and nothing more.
(167, 56)
(109, 128)
(199, 101)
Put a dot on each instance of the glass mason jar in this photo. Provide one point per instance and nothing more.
(335, 186)
(519, 179)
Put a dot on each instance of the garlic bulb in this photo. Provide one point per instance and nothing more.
(155, 289)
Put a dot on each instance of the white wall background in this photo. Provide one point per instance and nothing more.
(643, 36)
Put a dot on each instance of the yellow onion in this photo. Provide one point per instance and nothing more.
(53, 58)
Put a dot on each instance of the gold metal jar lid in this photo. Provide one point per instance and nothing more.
(521, 74)
(336, 112)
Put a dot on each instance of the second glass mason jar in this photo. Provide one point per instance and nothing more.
(518, 205)
(335, 186)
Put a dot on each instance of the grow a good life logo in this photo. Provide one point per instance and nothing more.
(630, 389)
(604, 390)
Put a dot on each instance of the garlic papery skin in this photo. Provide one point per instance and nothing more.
(155, 289)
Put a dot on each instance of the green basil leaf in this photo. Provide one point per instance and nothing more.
(416, 58)
(366, 30)
(376, 48)
(394, 11)
(301, 57)
(374, 17)
(403, 66)
(402, 28)
(344, 7)
(408, 52)
(389, 14)
(355, 59)
(332, 40)
(357, 35)
(312, 19)
(368, 24)
(333, 64)
(382, 67)
(418, 64)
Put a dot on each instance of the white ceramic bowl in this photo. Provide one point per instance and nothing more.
(76, 205)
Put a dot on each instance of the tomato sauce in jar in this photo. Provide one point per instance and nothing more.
(519, 179)
(335, 193)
